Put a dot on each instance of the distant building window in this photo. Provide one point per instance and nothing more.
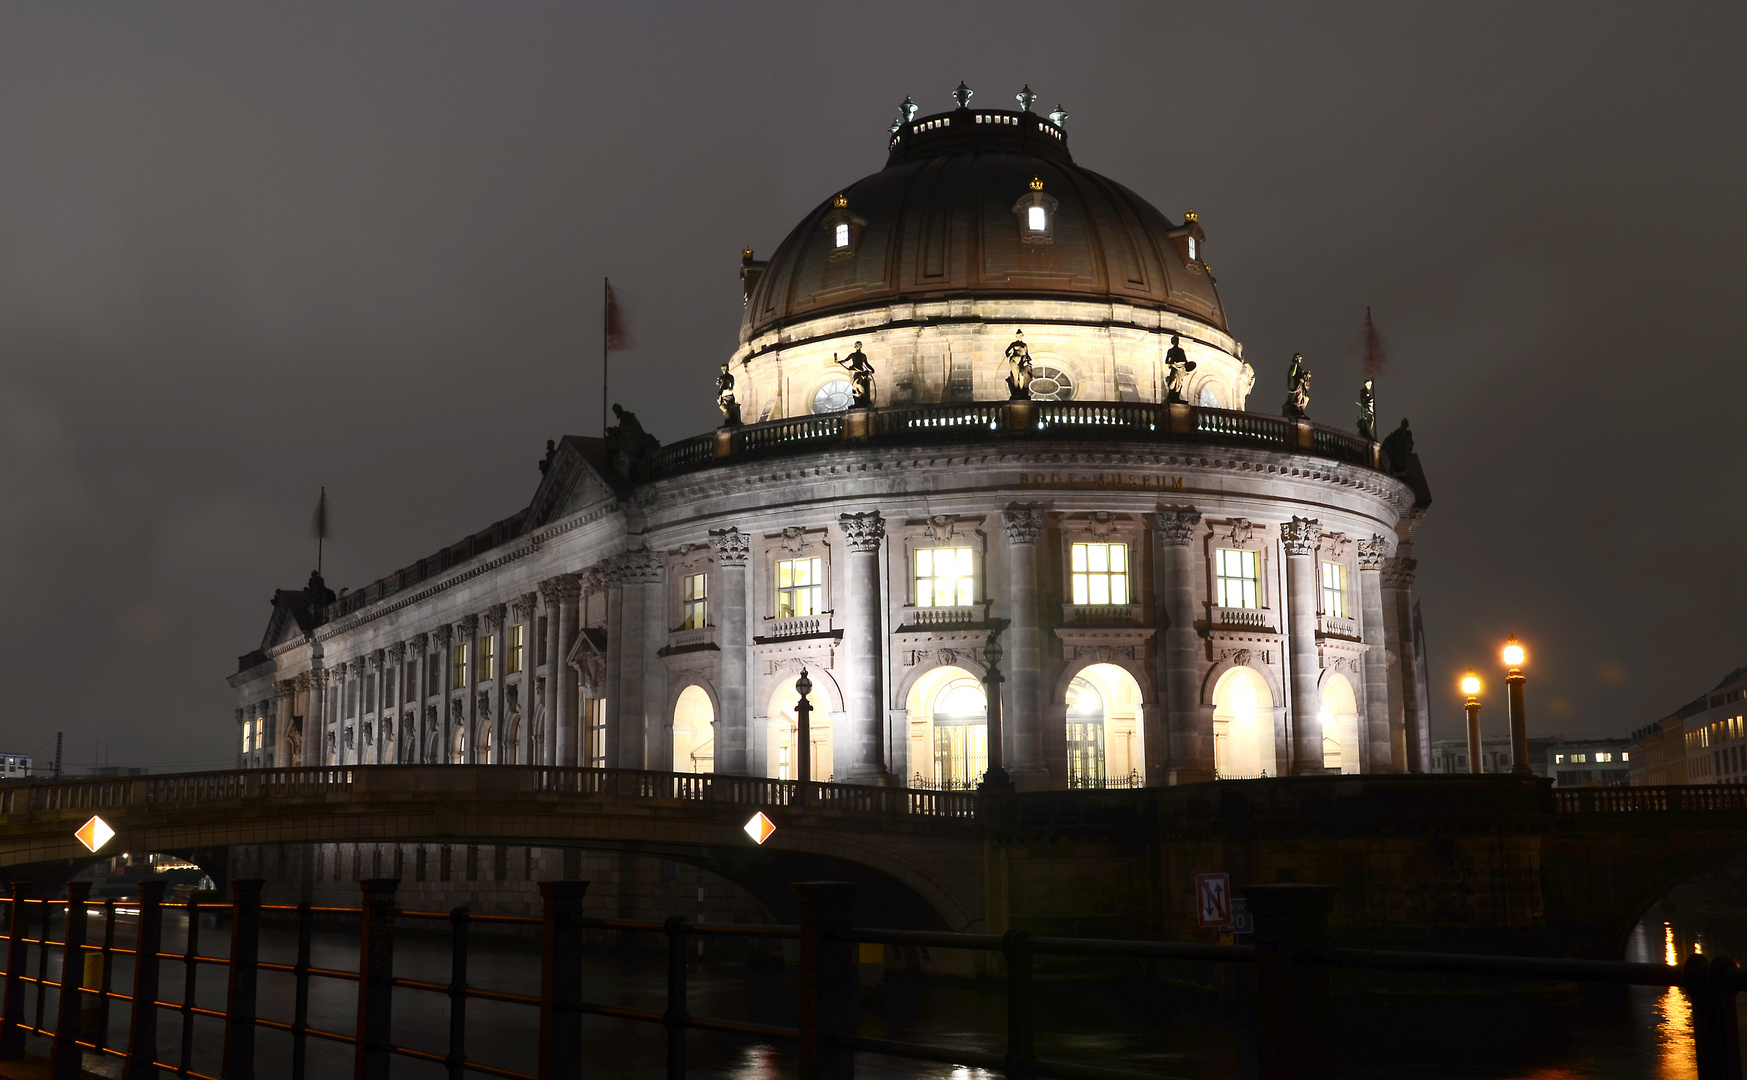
(1558, 759)
(1238, 577)
(512, 661)
(1037, 219)
(1624, 756)
(1603, 755)
(800, 587)
(460, 679)
(943, 577)
(1334, 590)
(835, 396)
(1579, 759)
(487, 659)
(695, 602)
(1099, 573)
(843, 234)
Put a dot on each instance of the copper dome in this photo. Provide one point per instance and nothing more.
(942, 221)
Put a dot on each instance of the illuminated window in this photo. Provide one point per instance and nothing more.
(1100, 573)
(843, 234)
(800, 587)
(1238, 575)
(487, 659)
(1579, 759)
(596, 712)
(1193, 254)
(1625, 756)
(835, 396)
(1558, 759)
(694, 599)
(943, 577)
(1037, 219)
(1334, 590)
(1603, 755)
(460, 678)
(512, 661)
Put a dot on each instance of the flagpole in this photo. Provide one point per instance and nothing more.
(606, 345)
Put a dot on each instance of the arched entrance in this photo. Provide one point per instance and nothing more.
(784, 759)
(694, 732)
(485, 741)
(949, 729)
(1340, 725)
(1243, 725)
(458, 746)
(1104, 734)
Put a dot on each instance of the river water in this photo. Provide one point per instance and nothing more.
(1132, 1020)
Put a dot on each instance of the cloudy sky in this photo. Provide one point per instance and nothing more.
(249, 251)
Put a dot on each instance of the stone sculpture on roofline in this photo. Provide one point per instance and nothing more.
(1367, 411)
(860, 377)
(1297, 389)
(725, 398)
(1019, 361)
(1177, 367)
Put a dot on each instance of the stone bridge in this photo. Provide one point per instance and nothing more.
(1459, 862)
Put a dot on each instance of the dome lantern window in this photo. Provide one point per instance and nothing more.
(1035, 213)
(1190, 241)
(843, 227)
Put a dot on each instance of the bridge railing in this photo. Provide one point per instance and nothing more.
(1290, 1023)
(1670, 798)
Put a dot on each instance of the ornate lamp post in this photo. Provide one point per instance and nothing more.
(1471, 687)
(995, 778)
(1514, 655)
(803, 738)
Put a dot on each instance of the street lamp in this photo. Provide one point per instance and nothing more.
(1514, 655)
(1471, 687)
(995, 777)
(803, 737)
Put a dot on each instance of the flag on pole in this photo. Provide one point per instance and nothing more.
(617, 338)
(320, 526)
(1376, 353)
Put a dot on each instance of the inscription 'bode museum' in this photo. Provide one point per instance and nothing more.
(1137, 481)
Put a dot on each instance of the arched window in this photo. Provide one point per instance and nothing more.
(1103, 728)
(1085, 734)
(1340, 725)
(1051, 384)
(834, 397)
(1243, 725)
(694, 732)
(961, 734)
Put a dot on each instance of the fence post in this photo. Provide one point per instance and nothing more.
(239, 999)
(106, 975)
(829, 986)
(1716, 1034)
(18, 928)
(457, 1060)
(1021, 1060)
(1291, 1005)
(65, 1058)
(375, 979)
(300, 1002)
(561, 979)
(142, 1038)
(677, 1017)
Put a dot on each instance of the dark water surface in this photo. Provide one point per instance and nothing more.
(1134, 1020)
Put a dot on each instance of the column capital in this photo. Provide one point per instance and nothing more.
(863, 531)
(1022, 524)
(1372, 552)
(285, 688)
(732, 546)
(637, 566)
(396, 653)
(374, 661)
(418, 645)
(440, 637)
(1176, 524)
(466, 626)
(526, 604)
(494, 616)
(1300, 536)
(1398, 573)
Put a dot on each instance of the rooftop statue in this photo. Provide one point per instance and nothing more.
(1019, 361)
(629, 447)
(1177, 367)
(1398, 447)
(1297, 389)
(725, 398)
(860, 377)
(1367, 412)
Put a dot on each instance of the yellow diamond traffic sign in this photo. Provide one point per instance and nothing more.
(95, 833)
(760, 827)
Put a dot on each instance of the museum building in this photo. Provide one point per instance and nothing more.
(981, 395)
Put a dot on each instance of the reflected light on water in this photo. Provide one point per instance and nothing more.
(1670, 954)
(1675, 1055)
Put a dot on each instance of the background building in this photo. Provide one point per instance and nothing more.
(1589, 762)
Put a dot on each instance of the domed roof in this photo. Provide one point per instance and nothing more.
(948, 218)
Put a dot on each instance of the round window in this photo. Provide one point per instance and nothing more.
(1051, 384)
(1209, 399)
(835, 396)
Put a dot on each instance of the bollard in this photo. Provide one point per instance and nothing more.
(1291, 999)
(142, 1040)
(828, 980)
(561, 979)
(239, 1000)
(375, 979)
(1021, 1060)
(676, 1018)
(65, 1057)
(12, 1014)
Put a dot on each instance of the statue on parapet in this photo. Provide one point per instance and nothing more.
(631, 449)
(1367, 411)
(1019, 369)
(860, 377)
(1297, 389)
(725, 398)
(1398, 448)
(1177, 369)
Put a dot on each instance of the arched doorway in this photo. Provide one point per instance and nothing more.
(694, 732)
(949, 729)
(1104, 734)
(485, 741)
(458, 746)
(1340, 725)
(784, 758)
(1243, 725)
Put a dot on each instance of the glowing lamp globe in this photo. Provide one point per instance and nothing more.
(1471, 684)
(1513, 653)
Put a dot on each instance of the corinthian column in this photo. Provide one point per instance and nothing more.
(1023, 737)
(418, 650)
(1372, 632)
(1406, 722)
(1189, 736)
(1300, 537)
(634, 611)
(284, 704)
(437, 749)
(861, 753)
(729, 615)
(561, 594)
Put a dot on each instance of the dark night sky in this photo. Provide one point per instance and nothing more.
(245, 252)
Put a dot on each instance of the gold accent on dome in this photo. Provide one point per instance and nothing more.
(1191, 216)
(1036, 183)
(841, 201)
(745, 254)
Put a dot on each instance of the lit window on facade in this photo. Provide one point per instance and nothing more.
(943, 577)
(961, 734)
(799, 587)
(1238, 577)
(460, 678)
(1194, 252)
(835, 396)
(1100, 573)
(695, 602)
(1334, 590)
(843, 234)
(487, 657)
(512, 661)
(1037, 219)
(1051, 384)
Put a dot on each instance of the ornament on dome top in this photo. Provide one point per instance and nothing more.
(860, 377)
(1059, 116)
(897, 125)
(909, 109)
(1177, 369)
(725, 398)
(963, 95)
(1367, 411)
(1297, 389)
(1019, 361)
(1026, 98)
